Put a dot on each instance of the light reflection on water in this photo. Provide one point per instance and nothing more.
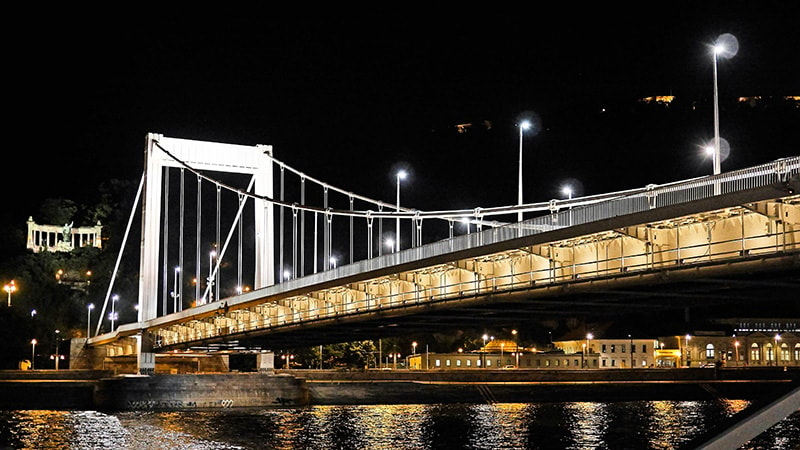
(579, 426)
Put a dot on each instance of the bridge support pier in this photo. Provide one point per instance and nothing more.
(146, 358)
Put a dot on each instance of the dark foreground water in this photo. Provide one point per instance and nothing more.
(586, 425)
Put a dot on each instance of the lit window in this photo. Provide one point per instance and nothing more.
(710, 351)
(438, 363)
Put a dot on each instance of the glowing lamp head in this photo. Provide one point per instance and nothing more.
(525, 125)
(401, 175)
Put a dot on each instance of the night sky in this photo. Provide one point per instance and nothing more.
(346, 100)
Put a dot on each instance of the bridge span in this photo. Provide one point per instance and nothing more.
(723, 239)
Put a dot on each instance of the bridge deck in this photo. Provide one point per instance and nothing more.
(612, 253)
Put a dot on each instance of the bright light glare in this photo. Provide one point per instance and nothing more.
(567, 190)
(401, 174)
(525, 125)
(709, 150)
(719, 49)
(91, 306)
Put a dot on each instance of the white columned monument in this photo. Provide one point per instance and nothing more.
(201, 156)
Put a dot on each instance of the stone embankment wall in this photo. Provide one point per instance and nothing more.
(198, 391)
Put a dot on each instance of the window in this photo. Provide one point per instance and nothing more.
(488, 363)
(613, 348)
(469, 363)
(438, 363)
(797, 352)
(784, 352)
(604, 363)
(478, 363)
(576, 363)
(603, 348)
(557, 362)
(622, 348)
(539, 363)
(613, 363)
(710, 351)
(644, 348)
(458, 363)
(770, 353)
(633, 348)
(755, 353)
(547, 362)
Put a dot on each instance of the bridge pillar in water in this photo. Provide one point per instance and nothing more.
(145, 357)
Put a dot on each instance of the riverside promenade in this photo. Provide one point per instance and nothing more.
(87, 390)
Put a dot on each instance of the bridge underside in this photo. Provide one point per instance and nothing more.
(760, 283)
(707, 254)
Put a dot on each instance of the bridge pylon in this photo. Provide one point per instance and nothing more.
(161, 152)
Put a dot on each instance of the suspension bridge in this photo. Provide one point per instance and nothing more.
(240, 251)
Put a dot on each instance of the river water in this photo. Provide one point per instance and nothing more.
(568, 425)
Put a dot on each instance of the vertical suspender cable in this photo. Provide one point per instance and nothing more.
(165, 255)
(280, 232)
(326, 256)
(216, 244)
(316, 222)
(351, 231)
(294, 241)
(302, 226)
(197, 245)
(369, 234)
(380, 231)
(178, 295)
(239, 286)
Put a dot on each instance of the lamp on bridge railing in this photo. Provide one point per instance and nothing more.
(390, 244)
(333, 262)
(400, 176)
(89, 308)
(113, 315)
(522, 127)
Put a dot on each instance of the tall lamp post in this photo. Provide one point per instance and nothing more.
(516, 348)
(175, 293)
(10, 288)
(522, 127)
(483, 351)
(726, 45)
(589, 338)
(400, 175)
(33, 352)
(89, 309)
(686, 348)
(113, 315)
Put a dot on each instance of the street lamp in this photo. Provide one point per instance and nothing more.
(686, 348)
(390, 244)
(56, 356)
(211, 257)
(589, 337)
(414, 348)
(400, 175)
(9, 288)
(113, 315)
(777, 338)
(483, 351)
(175, 293)
(522, 127)
(333, 262)
(33, 352)
(89, 309)
(516, 348)
(736, 347)
(726, 45)
(567, 190)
